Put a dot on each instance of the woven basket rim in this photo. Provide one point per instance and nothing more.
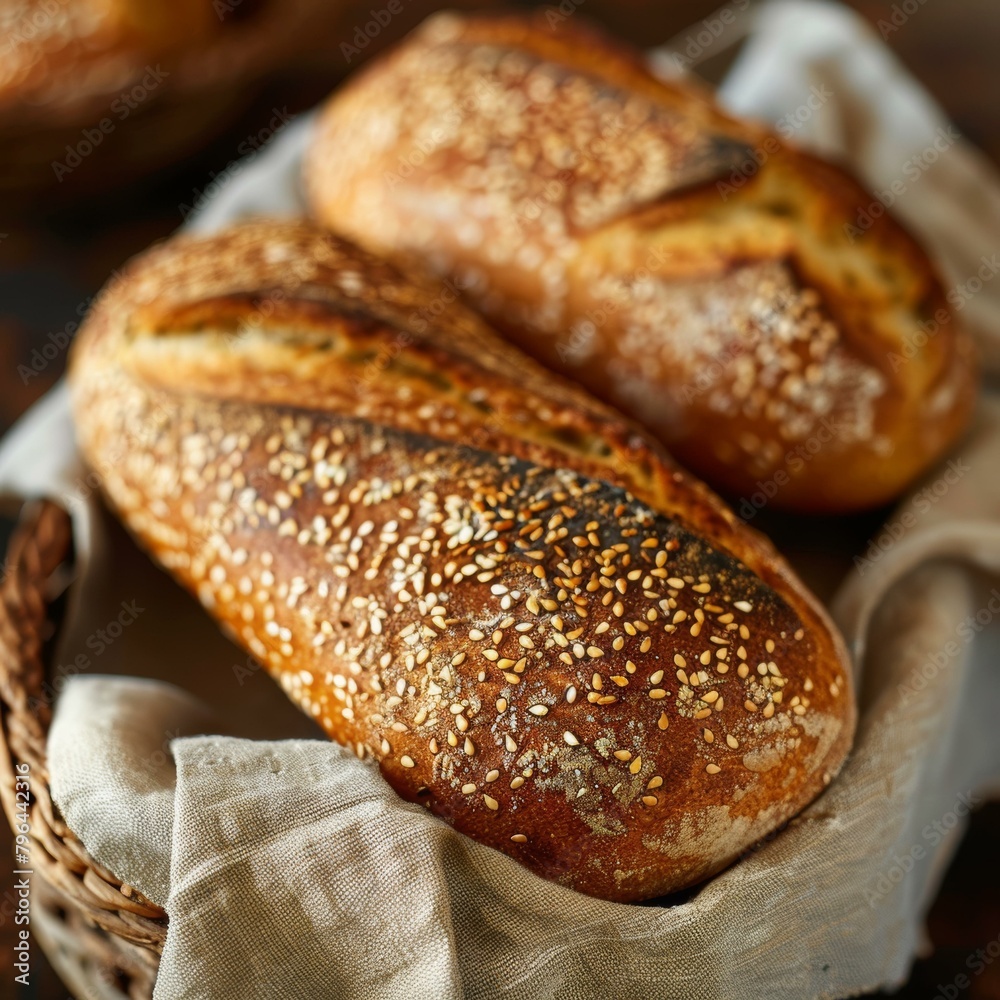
(131, 929)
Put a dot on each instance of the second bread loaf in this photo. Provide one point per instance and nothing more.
(698, 272)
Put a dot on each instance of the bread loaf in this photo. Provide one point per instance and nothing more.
(94, 93)
(458, 564)
(696, 271)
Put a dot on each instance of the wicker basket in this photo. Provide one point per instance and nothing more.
(104, 938)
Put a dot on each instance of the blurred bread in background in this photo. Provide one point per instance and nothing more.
(96, 92)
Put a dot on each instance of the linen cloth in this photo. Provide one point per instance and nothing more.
(289, 869)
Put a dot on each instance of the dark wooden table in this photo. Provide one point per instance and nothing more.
(56, 252)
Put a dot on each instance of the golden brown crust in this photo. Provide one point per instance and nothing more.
(695, 271)
(458, 564)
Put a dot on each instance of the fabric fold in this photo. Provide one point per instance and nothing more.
(112, 771)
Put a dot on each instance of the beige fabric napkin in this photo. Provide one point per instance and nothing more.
(289, 868)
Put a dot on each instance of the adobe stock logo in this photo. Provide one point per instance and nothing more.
(365, 34)
(121, 107)
(899, 14)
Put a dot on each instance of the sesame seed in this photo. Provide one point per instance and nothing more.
(636, 766)
(519, 838)
(492, 775)
(663, 722)
(407, 761)
(468, 789)
(571, 739)
(649, 800)
(538, 710)
(713, 768)
(623, 754)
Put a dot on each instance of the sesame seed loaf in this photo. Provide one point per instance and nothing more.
(457, 563)
(696, 271)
